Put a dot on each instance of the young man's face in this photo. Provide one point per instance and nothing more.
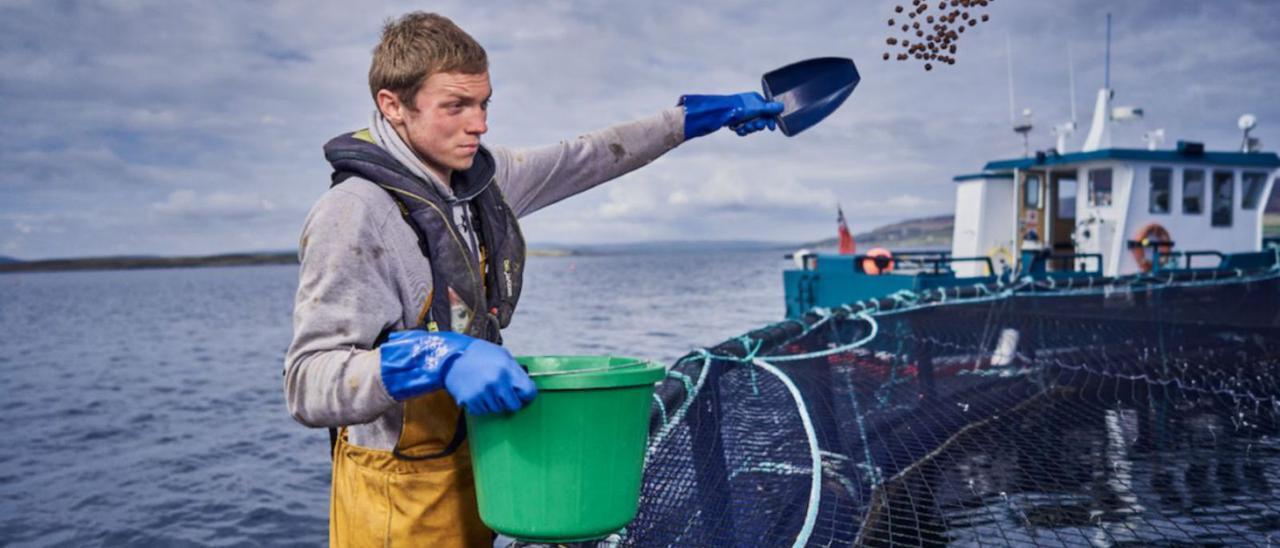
(449, 118)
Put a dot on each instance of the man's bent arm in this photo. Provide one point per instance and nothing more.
(532, 179)
(346, 296)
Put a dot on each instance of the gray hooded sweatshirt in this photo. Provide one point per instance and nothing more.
(362, 270)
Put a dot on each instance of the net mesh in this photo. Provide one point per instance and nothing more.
(1135, 411)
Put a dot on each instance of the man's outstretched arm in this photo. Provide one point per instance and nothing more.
(532, 179)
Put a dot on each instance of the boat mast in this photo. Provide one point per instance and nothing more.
(1100, 129)
(1022, 128)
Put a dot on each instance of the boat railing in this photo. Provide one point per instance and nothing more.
(1187, 260)
(1047, 264)
(910, 262)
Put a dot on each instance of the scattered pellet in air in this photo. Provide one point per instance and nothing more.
(937, 39)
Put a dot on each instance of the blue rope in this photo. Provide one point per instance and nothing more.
(750, 349)
(875, 329)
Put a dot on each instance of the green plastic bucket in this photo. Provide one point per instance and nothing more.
(568, 466)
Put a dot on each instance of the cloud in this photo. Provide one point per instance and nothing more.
(731, 188)
(123, 119)
(224, 205)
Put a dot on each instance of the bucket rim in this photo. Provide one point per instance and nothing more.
(585, 372)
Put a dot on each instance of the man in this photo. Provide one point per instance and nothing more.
(411, 264)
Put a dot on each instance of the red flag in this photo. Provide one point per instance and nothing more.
(846, 238)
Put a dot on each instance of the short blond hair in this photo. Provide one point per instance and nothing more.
(417, 45)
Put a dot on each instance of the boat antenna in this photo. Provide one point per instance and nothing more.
(1008, 55)
(1065, 130)
(1106, 82)
(1022, 127)
(1071, 81)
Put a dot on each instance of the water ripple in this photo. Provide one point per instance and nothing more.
(153, 429)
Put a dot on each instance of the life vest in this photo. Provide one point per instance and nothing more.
(466, 298)
(422, 492)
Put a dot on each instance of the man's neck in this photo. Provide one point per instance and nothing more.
(443, 174)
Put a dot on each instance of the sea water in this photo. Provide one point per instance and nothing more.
(146, 407)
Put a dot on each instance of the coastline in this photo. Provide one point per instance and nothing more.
(200, 261)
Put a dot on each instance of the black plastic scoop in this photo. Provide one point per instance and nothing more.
(810, 90)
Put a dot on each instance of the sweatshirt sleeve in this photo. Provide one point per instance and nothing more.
(347, 295)
(534, 178)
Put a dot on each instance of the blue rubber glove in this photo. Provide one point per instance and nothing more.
(486, 379)
(745, 112)
(481, 376)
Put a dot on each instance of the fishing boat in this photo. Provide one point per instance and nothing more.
(1096, 360)
(1101, 211)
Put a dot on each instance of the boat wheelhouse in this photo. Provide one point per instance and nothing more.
(1114, 210)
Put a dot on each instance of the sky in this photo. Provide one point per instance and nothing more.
(195, 127)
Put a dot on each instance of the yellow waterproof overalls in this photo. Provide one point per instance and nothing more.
(381, 500)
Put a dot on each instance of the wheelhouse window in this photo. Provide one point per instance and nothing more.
(1031, 192)
(1251, 184)
(1066, 199)
(1161, 188)
(1099, 187)
(1223, 185)
(1192, 192)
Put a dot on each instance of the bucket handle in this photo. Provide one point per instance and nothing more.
(591, 370)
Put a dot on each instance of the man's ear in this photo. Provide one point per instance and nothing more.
(390, 106)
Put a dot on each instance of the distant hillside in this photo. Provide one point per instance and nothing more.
(927, 232)
(9, 264)
(674, 246)
(121, 263)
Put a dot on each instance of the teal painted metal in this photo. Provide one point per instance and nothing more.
(975, 176)
(1249, 261)
(1044, 265)
(1233, 159)
(834, 280)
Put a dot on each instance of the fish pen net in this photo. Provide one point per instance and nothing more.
(1126, 411)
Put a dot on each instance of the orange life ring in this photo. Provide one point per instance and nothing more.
(877, 261)
(1152, 233)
